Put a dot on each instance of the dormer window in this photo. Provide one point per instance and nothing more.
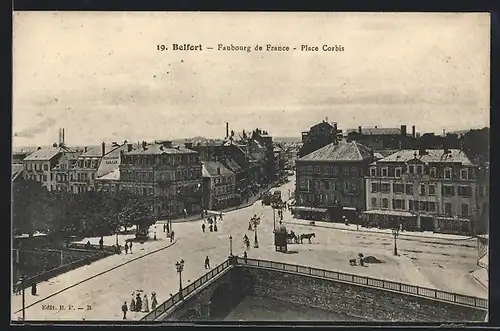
(447, 173)
(463, 174)
(410, 169)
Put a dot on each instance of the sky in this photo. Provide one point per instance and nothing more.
(100, 76)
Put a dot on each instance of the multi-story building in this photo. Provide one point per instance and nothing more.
(330, 181)
(94, 163)
(319, 135)
(219, 186)
(170, 175)
(384, 138)
(433, 190)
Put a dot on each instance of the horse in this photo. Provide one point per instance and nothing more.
(307, 236)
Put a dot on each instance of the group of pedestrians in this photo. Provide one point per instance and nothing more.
(212, 222)
(138, 304)
(128, 247)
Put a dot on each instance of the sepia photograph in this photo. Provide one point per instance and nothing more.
(242, 167)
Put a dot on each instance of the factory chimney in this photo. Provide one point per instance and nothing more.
(227, 129)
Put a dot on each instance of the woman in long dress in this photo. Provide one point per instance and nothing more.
(145, 304)
(132, 303)
(154, 302)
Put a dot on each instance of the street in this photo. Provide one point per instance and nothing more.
(441, 263)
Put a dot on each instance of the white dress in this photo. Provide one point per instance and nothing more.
(145, 305)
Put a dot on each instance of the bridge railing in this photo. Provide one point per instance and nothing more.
(173, 300)
(373, 282)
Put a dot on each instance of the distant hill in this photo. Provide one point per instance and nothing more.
(287, 139)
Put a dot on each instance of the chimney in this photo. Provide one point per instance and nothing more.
(218, 170)
(403, 130)
(85, 149)
(129, 147)
(413, 131)
(227, 129)
(360, 130)
(445, 145)
(335, 127)
(63, 136)
(422, 151)
(188, 145)
(144, 145)
(103, 148)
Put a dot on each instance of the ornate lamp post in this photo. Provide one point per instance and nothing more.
(255, 222)
(395, 233)
(179, 265)
(230, 245)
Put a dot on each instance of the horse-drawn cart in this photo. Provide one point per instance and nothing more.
(280, 238)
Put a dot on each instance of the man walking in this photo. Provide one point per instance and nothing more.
(203, 227)
(124, 310)
(245, 257)
(130, 247)
(207, 263)
(126, 248)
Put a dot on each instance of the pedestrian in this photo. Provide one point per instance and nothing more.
(250, 226)
(172, 234)
(203, 227)
(145, 304)
(132, 302)
(207, 263)
(33, 288)
(130, 247)
(101, 243)
(138, 302)
(211, 227)
(154, 302)
(164, 228)
(185, 213)
(154, 238)
(220, 217)
(126, 248)
(215, 227)
(245, 257)
(168, 228)
(124, 310)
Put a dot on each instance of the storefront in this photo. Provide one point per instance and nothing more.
(454, 225)
(388, 219)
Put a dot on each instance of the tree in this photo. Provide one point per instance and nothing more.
(27, 209)
(134, 210)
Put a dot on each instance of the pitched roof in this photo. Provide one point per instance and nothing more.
(210, 169)
(96, 151)
(17, 170)
(158, 149)
(431, 156)
(44, 154)
(341, 151)
(232, 165)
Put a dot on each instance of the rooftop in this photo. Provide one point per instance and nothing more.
(158, 149)
(430, 156)
(210, 169)
(46, 154)
(376, 131)
(341, 151)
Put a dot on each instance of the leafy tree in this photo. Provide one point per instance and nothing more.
(27, 209)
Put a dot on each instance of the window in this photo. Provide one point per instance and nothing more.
(464, 191)
(150, 176)
(419, 169)
(44, 178)
(385, 187)
(463, 174)
(447, 209)
(448, 191)
(432, 189)
(423, 205)
(464, 208)
(409, 188)
(92, 176)
(327, 185)
(374, 188)
(354, 187)
(385, 203)
(398, 188)
(391, 172)
(410, 169)
(422, 189)
(432, 172)
(302, 183)
(410, 205)
(398, 204)
(398, 172)
(447, 173)
(384, 172)
(373, 172)
(51, 176)
(346, 171)
(346, 186)
(432, 206)
(374, 202)
(45, 167)
(354, 171)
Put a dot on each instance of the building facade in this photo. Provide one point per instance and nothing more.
(319, 135)
(384, 138)
(219, 186)
(330, 181)
(433, 190)
(170, 175)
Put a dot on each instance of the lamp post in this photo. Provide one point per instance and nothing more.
(255, 221)
(395, 233)
(230, 245)
(179, 265)
(23, 298)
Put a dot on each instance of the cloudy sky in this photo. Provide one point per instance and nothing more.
(100, 76)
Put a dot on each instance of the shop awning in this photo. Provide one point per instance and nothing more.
(312, 209)
(227, 197)
(349, 208)
(389, 213)
(442, 218)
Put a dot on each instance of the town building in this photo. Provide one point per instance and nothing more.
(384, 138)
(319, 135)
(430, 190)
(171, 175)
(219, 186)
(108, 173)
(330, 181)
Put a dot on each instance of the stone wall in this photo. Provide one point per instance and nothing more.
(354, 300)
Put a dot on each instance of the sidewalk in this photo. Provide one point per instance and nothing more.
(352, 227)
(481, 276)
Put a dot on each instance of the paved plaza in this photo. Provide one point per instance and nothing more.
(99, 289)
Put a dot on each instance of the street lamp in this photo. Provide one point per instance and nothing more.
(255, 221)
(179, 265)
(231, 245)
(23, 298)
(395, 233)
